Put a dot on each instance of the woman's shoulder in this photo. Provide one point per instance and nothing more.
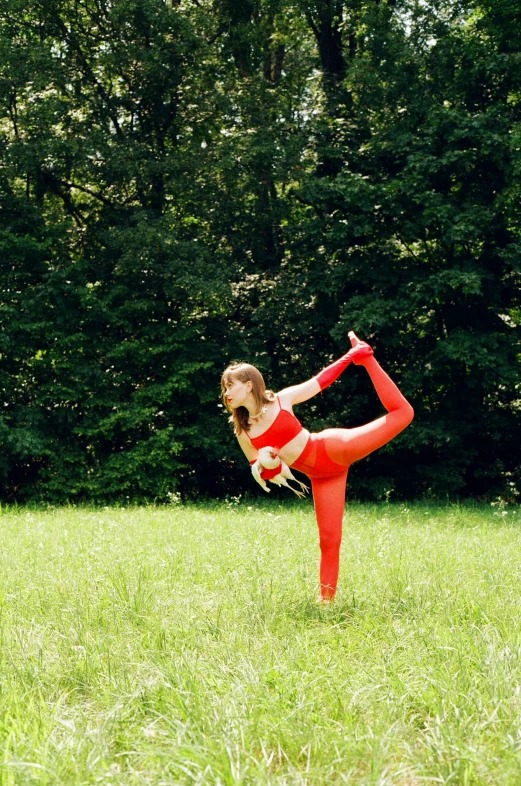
(243, 437)
(285, 399)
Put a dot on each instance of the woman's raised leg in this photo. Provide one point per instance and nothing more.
(347, 445)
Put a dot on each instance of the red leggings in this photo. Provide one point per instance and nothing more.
(327, 458)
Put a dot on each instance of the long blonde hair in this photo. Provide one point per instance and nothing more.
(244, 372)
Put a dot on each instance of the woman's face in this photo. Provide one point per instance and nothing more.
(236, 392)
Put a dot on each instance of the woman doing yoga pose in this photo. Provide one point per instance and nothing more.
(262, 419)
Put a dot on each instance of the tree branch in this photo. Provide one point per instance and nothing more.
(86, 190)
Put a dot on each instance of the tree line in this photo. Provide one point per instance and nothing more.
(188, 182)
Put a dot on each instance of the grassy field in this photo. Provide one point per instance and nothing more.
(185, 645)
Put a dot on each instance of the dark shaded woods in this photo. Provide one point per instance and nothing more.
(183, 184)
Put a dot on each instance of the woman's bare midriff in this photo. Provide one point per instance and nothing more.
(293, 449)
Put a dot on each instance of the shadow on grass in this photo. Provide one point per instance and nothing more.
(342, 611)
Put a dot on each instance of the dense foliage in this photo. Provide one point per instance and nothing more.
(188, 182)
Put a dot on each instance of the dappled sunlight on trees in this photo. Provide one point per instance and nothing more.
(187, 183)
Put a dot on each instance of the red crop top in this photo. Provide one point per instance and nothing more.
(284, 428)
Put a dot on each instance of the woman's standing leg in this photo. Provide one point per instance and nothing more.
(337, 448)
(329, 497)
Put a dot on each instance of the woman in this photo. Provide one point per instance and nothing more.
(262, 419)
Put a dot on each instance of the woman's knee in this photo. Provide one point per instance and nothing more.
(330, 541)
(405, 416)
(408, 414)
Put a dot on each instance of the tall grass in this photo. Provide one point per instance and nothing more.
(185, 645)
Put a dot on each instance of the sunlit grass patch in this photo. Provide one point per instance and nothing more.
(186, 645)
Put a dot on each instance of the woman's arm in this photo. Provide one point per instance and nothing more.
(247, 448)
(299, 393)
(296, 394)
(251, 454)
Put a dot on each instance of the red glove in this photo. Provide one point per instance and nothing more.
(355, 355)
